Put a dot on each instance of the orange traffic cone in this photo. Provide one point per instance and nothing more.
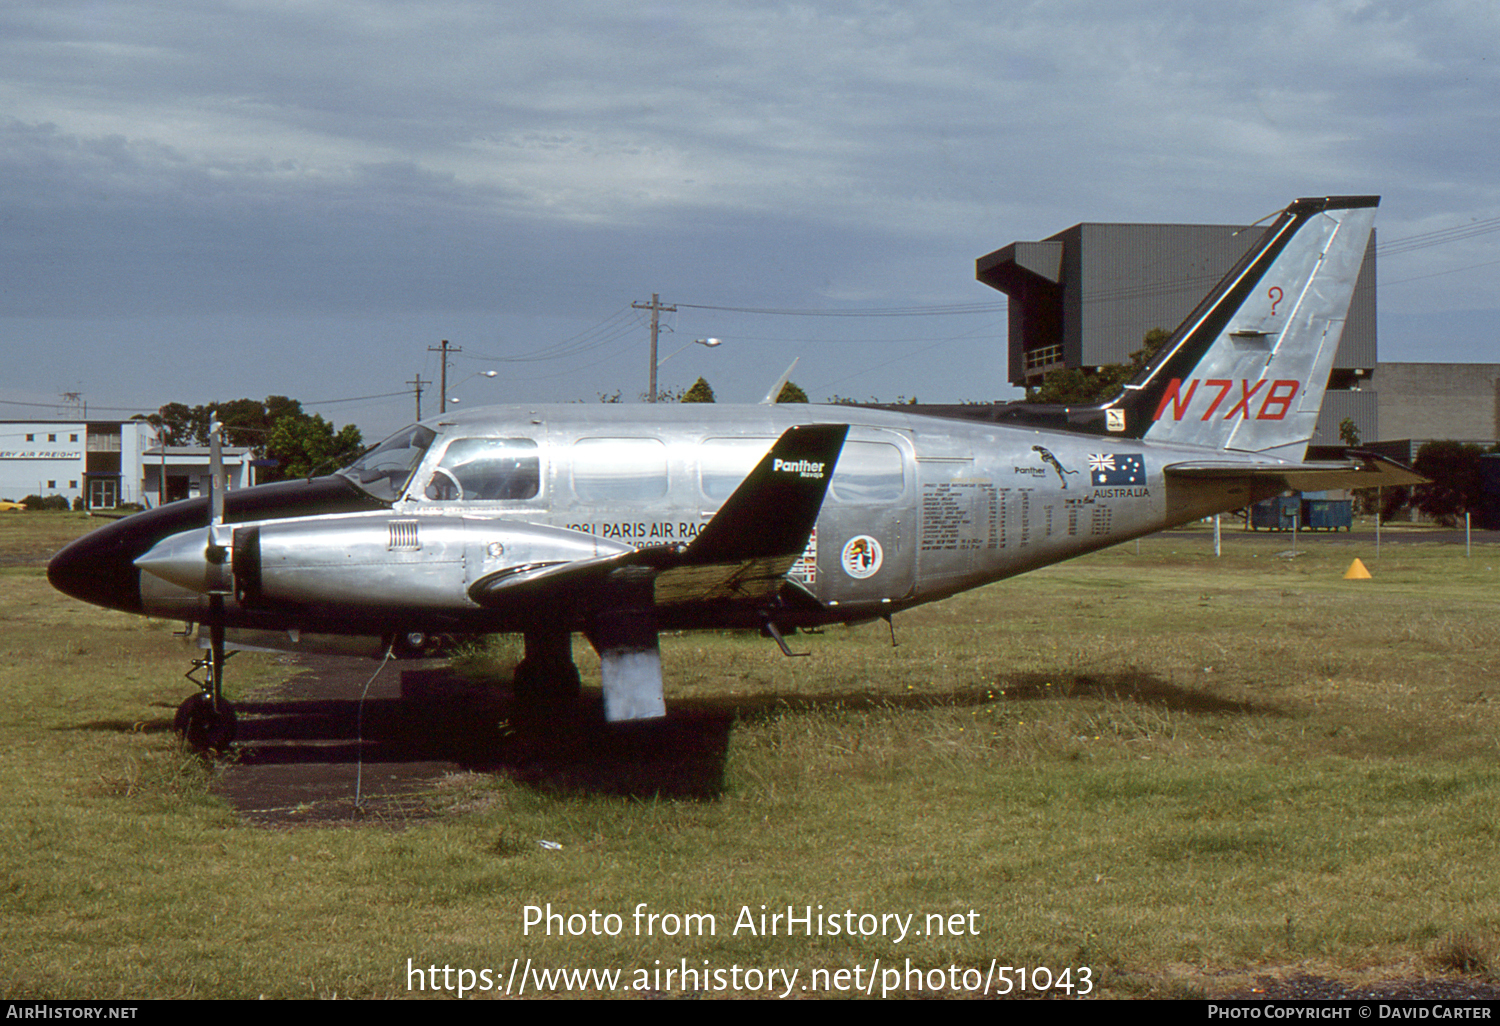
(1356, 572)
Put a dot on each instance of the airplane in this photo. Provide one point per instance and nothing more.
(621, 522)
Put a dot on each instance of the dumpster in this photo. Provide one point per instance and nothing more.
(1328, 514)
(1277, 514)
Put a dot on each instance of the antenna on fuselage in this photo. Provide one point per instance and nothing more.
(770, 399)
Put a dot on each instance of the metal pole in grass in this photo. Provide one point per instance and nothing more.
(1217, 551)
(1379, 505)
(1467, 551)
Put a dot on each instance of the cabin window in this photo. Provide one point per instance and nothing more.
(619, 470)
(723, 463)
(487, 470)
(869, 472)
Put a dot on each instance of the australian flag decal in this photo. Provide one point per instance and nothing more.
(1117, 469)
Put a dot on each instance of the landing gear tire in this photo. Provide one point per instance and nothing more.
(546, 684)
(201, 727)
(545, 689)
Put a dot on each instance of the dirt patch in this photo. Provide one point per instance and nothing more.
(1297, 986)
(310, 751)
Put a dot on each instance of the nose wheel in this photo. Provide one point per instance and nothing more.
(203, 727)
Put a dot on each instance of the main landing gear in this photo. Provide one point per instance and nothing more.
(546, 680)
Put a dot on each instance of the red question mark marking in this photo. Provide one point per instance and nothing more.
(1275, 294)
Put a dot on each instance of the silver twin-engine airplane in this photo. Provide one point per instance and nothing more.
(624, 521)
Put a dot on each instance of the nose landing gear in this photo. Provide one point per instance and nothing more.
(206, 721)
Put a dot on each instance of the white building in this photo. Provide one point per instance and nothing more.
(182, 472)
(106, 463)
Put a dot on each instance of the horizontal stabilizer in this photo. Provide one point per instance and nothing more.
(1367, 470)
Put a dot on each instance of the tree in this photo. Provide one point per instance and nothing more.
(700, 392)
(179, 424)
(1454, 485)
(791, 393)
(1365, 499)
(846, 400)
(306, 446)
(1074, 386)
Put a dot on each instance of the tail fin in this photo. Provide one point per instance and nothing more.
(1248, 368)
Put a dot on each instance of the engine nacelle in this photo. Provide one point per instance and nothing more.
(376, 561)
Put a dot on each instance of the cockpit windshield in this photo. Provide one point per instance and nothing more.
(385, 469)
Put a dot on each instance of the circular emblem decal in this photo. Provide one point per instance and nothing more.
(861, 556)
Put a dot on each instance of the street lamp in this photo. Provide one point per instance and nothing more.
(707, 343)
(476, 374)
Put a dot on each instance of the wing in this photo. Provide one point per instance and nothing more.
(744, 552)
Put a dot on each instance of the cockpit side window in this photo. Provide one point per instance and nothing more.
(384, 471)
(487, 470)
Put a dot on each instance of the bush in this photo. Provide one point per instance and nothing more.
(52, 502)
(1453, 483)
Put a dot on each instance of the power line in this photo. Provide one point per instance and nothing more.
(1439, 236)
(1439, 274)
(354, 398)
(892, 311)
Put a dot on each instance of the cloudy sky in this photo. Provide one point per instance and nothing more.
(210, 199)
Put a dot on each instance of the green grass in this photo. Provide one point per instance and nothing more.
(1174, 770)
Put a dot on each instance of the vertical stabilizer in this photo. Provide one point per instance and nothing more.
(1248, 368)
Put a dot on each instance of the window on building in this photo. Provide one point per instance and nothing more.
(51, 484)
(72, 438)
(51, 438)
(73, 485)
(31, 438)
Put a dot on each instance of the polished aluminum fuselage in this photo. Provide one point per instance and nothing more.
(920, 507)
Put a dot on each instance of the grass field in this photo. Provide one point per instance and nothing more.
(1163, 772)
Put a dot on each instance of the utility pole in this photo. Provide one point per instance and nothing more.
(417, 384)
(656, 308)
(445, 349)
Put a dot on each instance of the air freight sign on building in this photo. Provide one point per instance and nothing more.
(40, 454)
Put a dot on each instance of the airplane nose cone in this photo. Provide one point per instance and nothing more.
(97, 569)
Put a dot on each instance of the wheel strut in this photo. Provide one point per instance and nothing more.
(207, 720)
